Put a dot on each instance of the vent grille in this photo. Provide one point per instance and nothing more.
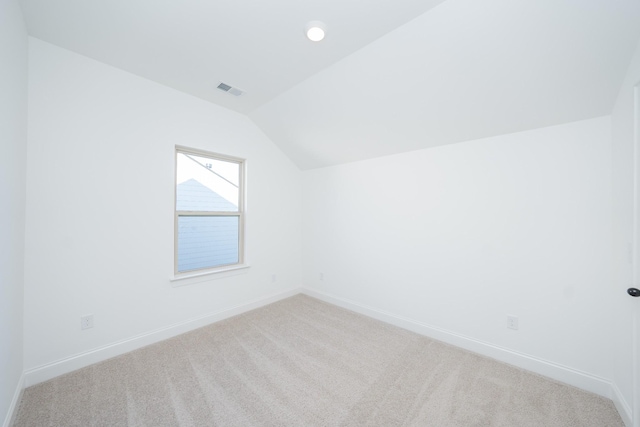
(230, 89)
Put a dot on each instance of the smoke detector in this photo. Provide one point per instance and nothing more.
(230, 89)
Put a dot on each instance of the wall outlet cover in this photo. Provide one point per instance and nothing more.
(512, 322)
(86, 322)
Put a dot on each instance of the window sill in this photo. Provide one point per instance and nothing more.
(202, 276)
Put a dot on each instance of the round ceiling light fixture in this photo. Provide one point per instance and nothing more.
(315, 31)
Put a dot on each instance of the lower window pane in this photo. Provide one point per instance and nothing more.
(207, 241)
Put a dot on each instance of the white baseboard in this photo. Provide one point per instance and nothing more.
(72, 363)
(552, 370)
(13, 408)
(565, 374)
(622, 405)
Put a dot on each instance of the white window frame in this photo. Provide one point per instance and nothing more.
(240, 213)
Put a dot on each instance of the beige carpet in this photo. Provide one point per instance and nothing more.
(301, 362)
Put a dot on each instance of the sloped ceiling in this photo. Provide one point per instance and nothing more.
(465, 70)
(391, 76)
(258, 46)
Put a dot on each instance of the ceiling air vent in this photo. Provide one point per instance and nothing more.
(230, 89)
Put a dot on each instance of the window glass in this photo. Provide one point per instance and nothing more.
(209, 217)
(206, 184)
(207, 241)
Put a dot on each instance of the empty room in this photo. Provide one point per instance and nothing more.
(331, 213)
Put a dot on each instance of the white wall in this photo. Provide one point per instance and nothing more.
(457, 237)
(622, 125)
(99, 219)
(13, 146)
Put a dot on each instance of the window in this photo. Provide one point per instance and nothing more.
(209, 211)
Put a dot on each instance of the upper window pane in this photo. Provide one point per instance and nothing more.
(205, 184)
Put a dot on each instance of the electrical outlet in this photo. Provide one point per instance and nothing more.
(274, 278)
(86, 322)
(512, 322)
(321, 276)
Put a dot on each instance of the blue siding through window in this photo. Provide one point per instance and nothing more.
(193, 196)
(205, 241)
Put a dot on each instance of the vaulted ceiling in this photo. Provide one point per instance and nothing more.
(391, 75)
